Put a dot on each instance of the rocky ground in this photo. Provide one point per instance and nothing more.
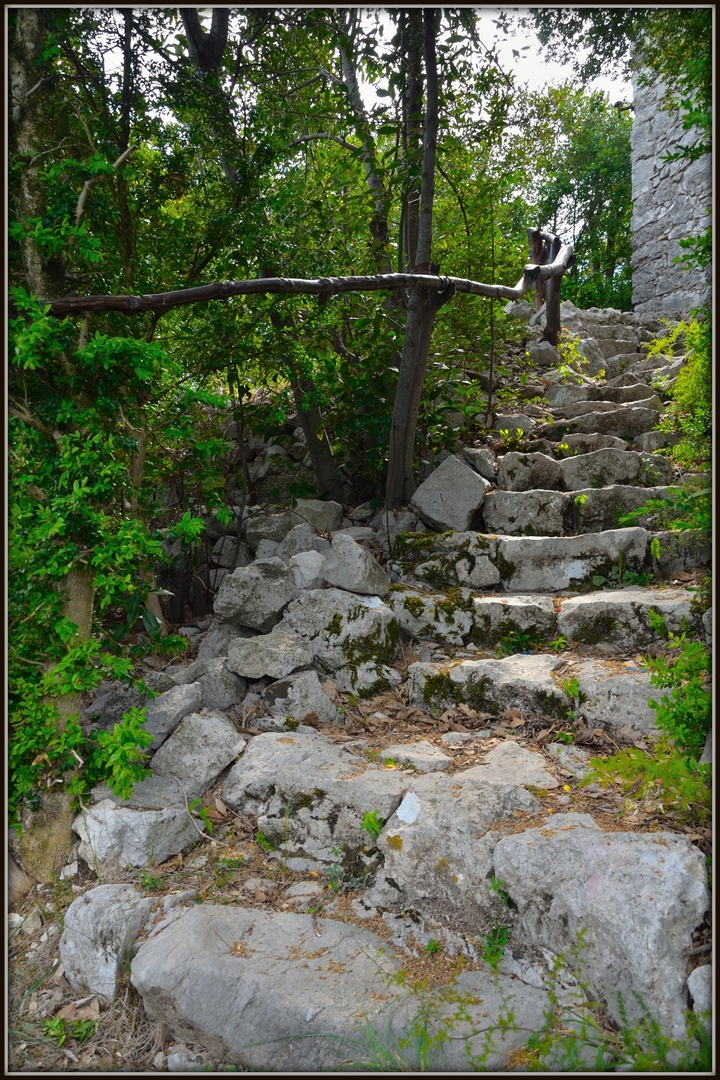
(364, 820)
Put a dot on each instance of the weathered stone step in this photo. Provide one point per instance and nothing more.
(599, 468)
(560, 394)
(603, 405)
(541, 512)
(623, 422)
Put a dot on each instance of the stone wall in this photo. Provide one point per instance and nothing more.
(670, 202)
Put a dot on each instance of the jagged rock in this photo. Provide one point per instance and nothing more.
(603, 468)
(582, 408)
(519, 309)
(99, 933)
(112, 700)
(650, 441)
(388, 527)
(323, 516)
(488, 686)
(589, 348)
(366, 679)
(198, 751)
(483, 461)
(223, 975)
(529, 513)
(300, 538)
(422, 756)
(220, 688)
(266, 462)
(327, 788)
(438, 848)
(513, 422)
(307, 569)
(152, 793)
(613, 699)
(134, 837)
(544, 354)
(164, 713)
(343, 628)
(256, 596)
(621, 616)
(271, 527)
(433, 616)
(509, 763)
(637, 896)
(497, 616)
(270, 549)
(359, 533)
(298, 695)
(700, 986)
(682, 551)
(223, 554)
(523, 472)
(595, 509)
(215, 642)
(560, 395)
(276, 654)
(585, 444)
(624, 422)
(353, 568)
(450, 496)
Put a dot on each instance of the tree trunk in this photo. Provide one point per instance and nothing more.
(412, 47)
(422, 307)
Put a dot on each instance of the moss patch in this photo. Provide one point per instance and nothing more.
(414, 605)
(597, 630)
(395, 842)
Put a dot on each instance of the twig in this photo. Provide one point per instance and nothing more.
(96, 180)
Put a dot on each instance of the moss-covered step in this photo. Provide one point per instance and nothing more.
(525, 621)
(556, 513)
(519, 563)
(633, 617)
(490, 686)
(599, 468)
(443, 617)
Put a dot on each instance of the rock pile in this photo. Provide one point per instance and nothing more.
(449, 801)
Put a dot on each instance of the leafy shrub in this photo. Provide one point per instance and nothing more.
(684, 715)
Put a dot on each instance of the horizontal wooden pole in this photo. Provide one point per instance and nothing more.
(324, 288)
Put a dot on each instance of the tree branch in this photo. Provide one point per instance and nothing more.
(96, 180)
(324, 288)
(328, 138)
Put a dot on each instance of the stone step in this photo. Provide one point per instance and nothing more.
(560, 394)
(541, 512)
(623, 422)
(582, 408)
(599, 468)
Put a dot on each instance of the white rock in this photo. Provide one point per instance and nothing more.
(133, 837)
(323, 516)
(483, 461)
(450, 496)
(307, 569)
(621, 616)
(432, 616)
(198, 751)
(343, 628)
(700, 987)
(350, 566)
(497, 616)
(614, 699)
(165, 712)
(544, 354)
(298, 695)
(276, 654)
(516, 682)
(366, 679)
(528, 513)
(525, 472)
(98, 937)
(422, 756)
(510, 763)
(255, 596)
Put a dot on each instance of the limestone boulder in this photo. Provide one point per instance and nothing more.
(450, 496)
(432, 616)
(350, 566)
(595, 509)
(256, 596)
(603, 468)
(198, 750)
(299, 695)
(488, 686)
(526, 513)
(612, 698)
(513, 422)
(422, 756)
(637, 897)
(273, 527)
(165, 712)
(482, 460)
(554, 564)
(624, 422)
(322, 516)
(307, 569)
(496, 617)
(366, 679)
(276, 655)
(133, 837)
(572, 445)
(99, 933)
(544, 354)
(510, 763)
(343, 628)
(623, 616)
(523, 472)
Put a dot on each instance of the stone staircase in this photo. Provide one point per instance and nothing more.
(437, 699)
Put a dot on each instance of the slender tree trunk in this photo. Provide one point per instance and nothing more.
(422, 307)
(412, 47)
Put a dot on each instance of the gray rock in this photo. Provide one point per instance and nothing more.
(554, 564)
(590, 349)
(343, 628)
(271, 527)
(523, 472)
(488, 686)
(214, 530)
(256, 596)
(450, 496)
(164, 713)
(225, 976)
(595, 509)
(497, 616)
(421, 756)
(276, 654)
(353, 568)
(327, 788)
(571, 758)
(519, 309)
(432, 616)
(582, 408)
(323, 516)
(366, 679)
(585, 444)
(706, 758)
(112, 700)
(528, 513)
(682, 551)
(637, 897)
(307, 569)
(621, 616)
(215, 642)
(613, 700)
(544, 354)
(700, 986)
(98, 937)
(220, 688)
(388, 526)
(223, 553)
(359, 533)
(510, 763)
(198, 751)
(438, 848)
(300, 538)
(483, 461)
(152, 793)
(623, 423)
(650, 441)
(298, 695)
(513, 422)
(603, 468)
(133, 837)
(269, 549)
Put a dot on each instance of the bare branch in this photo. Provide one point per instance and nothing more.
(96, 180)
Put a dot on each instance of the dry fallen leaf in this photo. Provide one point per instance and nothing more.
(220, 805)
(517, 723)
(261, 896)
